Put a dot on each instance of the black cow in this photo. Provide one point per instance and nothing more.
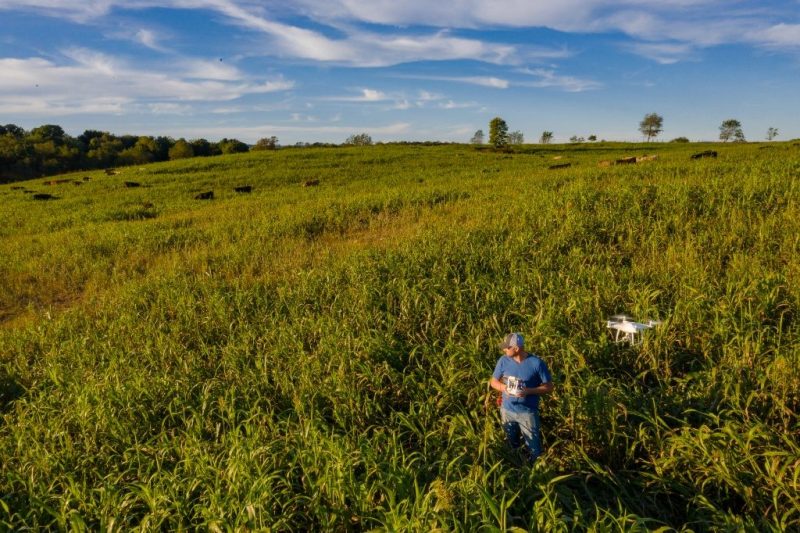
(560, 165)
(707, 153)
(130, 184)
(244, 188)
(43, 196)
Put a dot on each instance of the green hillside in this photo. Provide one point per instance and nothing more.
(316, 358)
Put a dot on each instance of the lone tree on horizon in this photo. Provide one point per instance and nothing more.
(267, 143)
(516, 137)
(772, 133)
(546, 138)
(651, 125)
(477, 138)
(361, 139)
(498, 132)
(731, 129)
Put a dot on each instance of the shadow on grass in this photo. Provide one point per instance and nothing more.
(10, 391)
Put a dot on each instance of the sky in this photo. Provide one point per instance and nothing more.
(415, 70)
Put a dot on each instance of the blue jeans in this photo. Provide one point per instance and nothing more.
(525, 425)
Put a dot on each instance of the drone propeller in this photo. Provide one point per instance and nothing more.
(621, 318)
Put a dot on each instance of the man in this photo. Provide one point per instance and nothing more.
(522, 378)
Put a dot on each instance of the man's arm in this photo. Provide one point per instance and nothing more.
(544, 388)
(497, 385)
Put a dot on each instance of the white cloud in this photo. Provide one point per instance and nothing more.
(779, 35)
(652, 25)
(149, 39)
(169, 108)
(300, 117)
(664, 53)
(34, 106)
(202, 69)
(358, 47)
(86, 81)
(367, 95)
(285, 105)
(93, 62)
(426, 96)
(369, 49)
(484, 81)
(647, 19)
(81, 11)
(549, 78)
(450, 104)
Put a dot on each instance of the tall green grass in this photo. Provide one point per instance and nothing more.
(316, 358)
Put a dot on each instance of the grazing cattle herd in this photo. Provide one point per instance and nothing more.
(209, 195)
(707, 153)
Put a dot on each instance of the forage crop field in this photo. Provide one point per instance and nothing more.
(316, 358)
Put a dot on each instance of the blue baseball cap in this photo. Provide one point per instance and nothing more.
(513, 340)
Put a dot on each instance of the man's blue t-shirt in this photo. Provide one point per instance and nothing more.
(532, 371)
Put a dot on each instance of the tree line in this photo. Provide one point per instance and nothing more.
(650, 127)
(48, 150)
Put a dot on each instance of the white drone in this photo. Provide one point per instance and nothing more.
(625, 329)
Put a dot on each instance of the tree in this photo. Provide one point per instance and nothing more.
(361, 139)
(477, 138)
(163, 144)
(651, 125)
(13, 130)
(181, 150)
(144, 151)
(546, 138)
(731, 129)
(267, 143)
(576, 139)
(592, 138)
(86, 137)
(201, 147)
(48, 132)
(680, 140)
(516, 137)
(772, 133)
(15, 152)
(232, 146)
(128, 141)
(498, 132)
(103, 151)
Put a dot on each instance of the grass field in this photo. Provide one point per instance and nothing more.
(316, 357)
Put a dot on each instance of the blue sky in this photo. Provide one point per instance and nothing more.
(321, 70)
